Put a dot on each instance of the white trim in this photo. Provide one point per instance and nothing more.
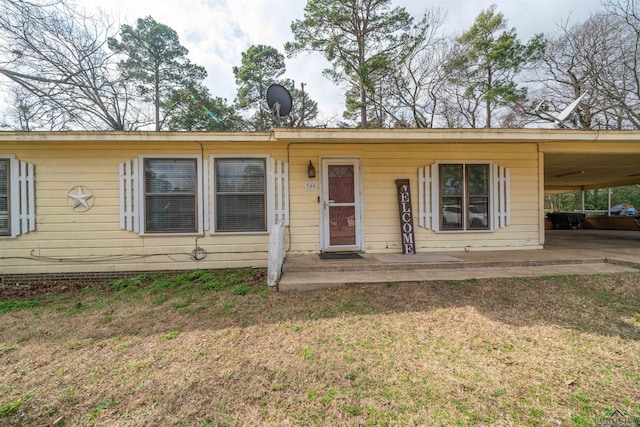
(356, 161)
(129, 195)
(139, 179)
(507, 192)
(27, 197)
(541, 214)
(205, 197)
(121, 191)
(280, 189)
(285, 186)
(502, 211)
(270, 165)
(277, 186)
(501, 196)
(31, 215)
(14, 183)
(495, 199)
(424, 197)
(22, 201)
(435, 197)
(136, 200)
(270, 193)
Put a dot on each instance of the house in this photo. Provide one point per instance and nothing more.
(103, 204)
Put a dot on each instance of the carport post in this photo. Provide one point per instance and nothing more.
(582, 197)
(609, 201)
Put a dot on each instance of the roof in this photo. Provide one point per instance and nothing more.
(573, 159)
(329, 135)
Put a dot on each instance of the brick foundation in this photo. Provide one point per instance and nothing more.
(24, 279)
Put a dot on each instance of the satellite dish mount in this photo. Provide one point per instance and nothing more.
(560, 118)
(279, 100)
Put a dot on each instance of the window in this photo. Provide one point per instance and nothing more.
(4, 198)
(240, 194)
(173, 194)
(170, 195)
(17, 197)
(464, 196)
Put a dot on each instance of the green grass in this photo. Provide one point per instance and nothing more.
(214, 348)
(10, 407)
(18, 305)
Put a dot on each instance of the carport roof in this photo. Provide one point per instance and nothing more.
(575, 171)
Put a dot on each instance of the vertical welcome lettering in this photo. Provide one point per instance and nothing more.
(406, 216)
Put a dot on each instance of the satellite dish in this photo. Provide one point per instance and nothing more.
(560, 118)
(279, 100)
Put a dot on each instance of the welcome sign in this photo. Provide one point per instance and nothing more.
(406, 217)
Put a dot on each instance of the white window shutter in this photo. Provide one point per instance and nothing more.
(128, 200)
(279, 192)
(435, 197)
(23, 201)
(205, 196)
(424, 197)
(502, 196)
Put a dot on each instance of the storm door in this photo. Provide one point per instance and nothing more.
(340, 205)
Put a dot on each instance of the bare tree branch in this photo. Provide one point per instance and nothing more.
(59, 55)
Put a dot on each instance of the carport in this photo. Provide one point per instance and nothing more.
(586, 160)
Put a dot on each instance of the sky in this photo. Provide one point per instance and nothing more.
(216, 32)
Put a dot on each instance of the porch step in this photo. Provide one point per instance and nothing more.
(329, 277)
(297, 264)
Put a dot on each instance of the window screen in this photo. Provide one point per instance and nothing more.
(240, 195)
(170, 195)
(4, 197)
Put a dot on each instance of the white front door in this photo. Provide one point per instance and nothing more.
(340, 203)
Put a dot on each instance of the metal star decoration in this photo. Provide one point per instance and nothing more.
(80, 198)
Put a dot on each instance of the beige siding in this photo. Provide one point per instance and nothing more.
(382, 164)
(93, 240)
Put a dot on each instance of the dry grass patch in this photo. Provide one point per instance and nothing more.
(204, 350)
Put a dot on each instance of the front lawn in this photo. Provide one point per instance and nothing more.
(205, 349)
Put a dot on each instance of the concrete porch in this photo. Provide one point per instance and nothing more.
(565, 252)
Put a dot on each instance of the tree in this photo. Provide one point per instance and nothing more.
(305, 110)
(598, 57)
(57, 56)
(158, 64)
(483, 68)
(596, 199)
(569, 68)
(360, 38)
(409, 96)
(204, 113)
(626, 90)
(28, 113)
(261, 66)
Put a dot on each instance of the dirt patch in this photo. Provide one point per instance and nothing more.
(8, 292)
